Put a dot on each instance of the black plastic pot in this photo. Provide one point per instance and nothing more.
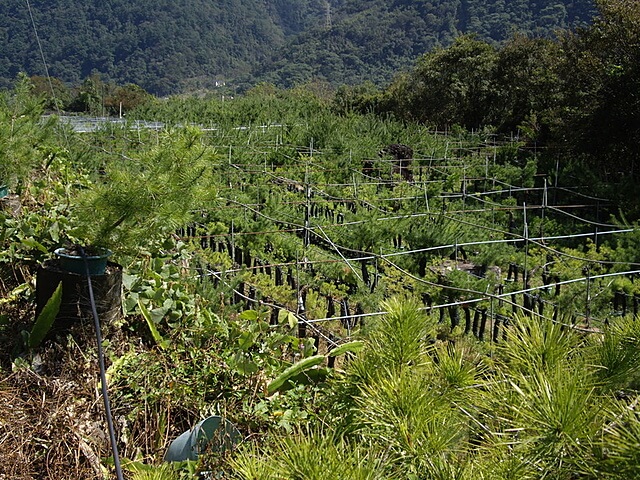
(76, 307)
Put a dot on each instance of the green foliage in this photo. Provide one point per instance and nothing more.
(45, 319)
(55, 93)
(161, 342)
(616, 356)
(476, 85)
(24, 137)
(144, 197)
(354, 346)
(450, 86)
(539, 410)
(414, 420)
(526, 85)
(90, 97)
(357, 45)
(537, 345)
(209, 330)
(399, 336)
(312, 456)
(126, 98)
(559, 416)
(168, 48)
(162, 472)
(294, 370)
(619, 443)
(601, 78)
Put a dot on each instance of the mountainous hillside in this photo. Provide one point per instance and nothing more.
(372, 40)
(167, 46)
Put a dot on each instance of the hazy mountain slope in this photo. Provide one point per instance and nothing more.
(158, 44)
(374, 39)
(172, 45)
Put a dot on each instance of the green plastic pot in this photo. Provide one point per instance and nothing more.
(73, 263)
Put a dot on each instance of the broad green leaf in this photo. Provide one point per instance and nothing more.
(130, 302)
(308, 377)
(243, 364)
(285, 316)
(129, 280)
(15, 293)
(259, 326)
(308, 345)
(45, 320)
(33, 243)
(353, 347)
(246, 340)
(157, 314)
(161, 342)
(250, 315)
(214, 434)
(293, 370)
(54, 231)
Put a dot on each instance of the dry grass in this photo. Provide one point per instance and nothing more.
(52, 422)
(51, 418)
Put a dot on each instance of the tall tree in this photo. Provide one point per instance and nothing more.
(449, 86)
(602, 81)
(526, 82)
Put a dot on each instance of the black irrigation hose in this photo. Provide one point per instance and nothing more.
(103, 375)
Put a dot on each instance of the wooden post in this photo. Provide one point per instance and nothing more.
(454, 316)
(483, 324)
(505, 325)
(365, 272)
(467, 319)
(496, 328)
(302, 325)
(476, 322)
(238, 294)
(360, 314)
(307, 207)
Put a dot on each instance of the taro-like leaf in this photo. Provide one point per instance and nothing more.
(311, 376)
(242, 363)
(285, 316)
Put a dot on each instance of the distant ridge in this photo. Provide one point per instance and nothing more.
(172, 46)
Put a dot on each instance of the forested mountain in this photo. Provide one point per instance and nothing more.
(160, 44)
(167, 46)
(372, 40)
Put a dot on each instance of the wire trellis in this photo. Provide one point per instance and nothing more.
(308, 216)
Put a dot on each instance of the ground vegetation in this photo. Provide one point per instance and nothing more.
(469, 312)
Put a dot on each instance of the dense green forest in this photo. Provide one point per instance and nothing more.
(433, 279)
(168, 47)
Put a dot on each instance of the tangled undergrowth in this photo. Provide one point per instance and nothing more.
(51, 417)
